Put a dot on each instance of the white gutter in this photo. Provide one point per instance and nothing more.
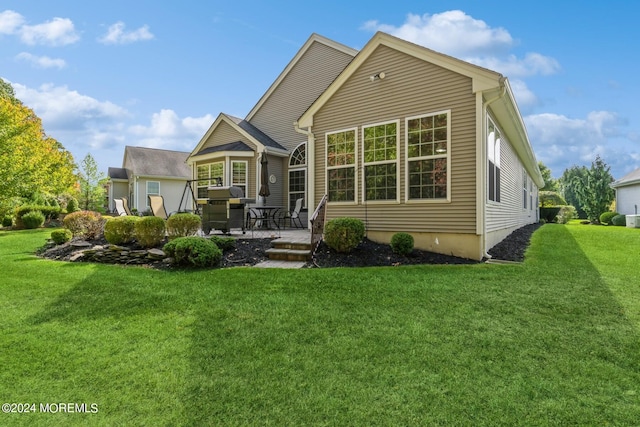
(483, 193)
(311, 178)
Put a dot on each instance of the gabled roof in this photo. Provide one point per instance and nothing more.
(312, 39)
(245, 128)
(143, 161)
(494, 86)
(629, 179)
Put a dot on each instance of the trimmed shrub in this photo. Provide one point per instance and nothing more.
(33, 219)
(61, 236)
(619, 220)
(182, 225)
(72, 205)
(606, 217)
(150, 231)
(120, 229)
(549, 199)
(193, 251)
(224, 243)
(343, 234)
(86, 224)
(549, 214)
(49, 212)
(402, 243)
(7, 221)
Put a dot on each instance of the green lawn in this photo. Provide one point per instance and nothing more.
(554, 341)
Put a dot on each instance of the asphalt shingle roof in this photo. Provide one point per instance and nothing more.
(256, 133)
(155, 162)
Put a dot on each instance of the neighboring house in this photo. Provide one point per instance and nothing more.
(398, 135)
(628, 193)
(148, 171)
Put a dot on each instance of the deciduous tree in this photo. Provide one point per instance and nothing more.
(91, 185)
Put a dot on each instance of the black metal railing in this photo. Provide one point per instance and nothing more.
(317, 223)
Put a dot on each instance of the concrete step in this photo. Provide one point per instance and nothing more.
(289, 254)
(302, 245)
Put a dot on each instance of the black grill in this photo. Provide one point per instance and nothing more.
(224, 210)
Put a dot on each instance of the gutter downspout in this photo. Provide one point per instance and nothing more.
(486, 104)
(311, 176)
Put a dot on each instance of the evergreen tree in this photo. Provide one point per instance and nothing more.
(567, 185)
(550, 183)
(593, 191)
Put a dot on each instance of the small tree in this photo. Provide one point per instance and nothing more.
(570, 179)
(593, 190)
(91, 185)
(550, 183)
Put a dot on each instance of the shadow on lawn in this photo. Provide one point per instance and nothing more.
(580, 368)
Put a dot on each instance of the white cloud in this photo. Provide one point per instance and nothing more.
(10, 21)
(62, 108)
(42, 61)
(525, 98)
(167, 130)
(57, 32)
(116, 34)
(453, 32)
(458, 34)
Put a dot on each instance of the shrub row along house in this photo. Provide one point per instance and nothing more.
(397, 135)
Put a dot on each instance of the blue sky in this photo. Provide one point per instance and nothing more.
(103, 75)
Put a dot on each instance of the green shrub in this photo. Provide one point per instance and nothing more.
(566, 214)
(7, 221)
(86, 224)
(61, 236)
(224, 243)
(402, 243)
(150, 231)
(50, 212)
(33, 219)
(182, 225)
(619, 220)
(72, 205)
(120, 230)
(549, 199)
(549, 213)
(193, 251)
(606, 217)
(343, 234)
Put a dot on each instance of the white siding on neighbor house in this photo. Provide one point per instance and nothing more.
(171, 190)
(304, 83)
(510, 214)
(628, 199)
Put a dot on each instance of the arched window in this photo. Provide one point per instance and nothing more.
(298, 175)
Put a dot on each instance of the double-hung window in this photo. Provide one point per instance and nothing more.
(380, 154)
(239, 175)
(525, 195)
(341, 166)
(493, 153)
(209, 174)
(428, 140)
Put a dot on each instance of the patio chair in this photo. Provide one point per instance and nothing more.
(119, 207)
(125, 203)
(293, 216)
(156, 203)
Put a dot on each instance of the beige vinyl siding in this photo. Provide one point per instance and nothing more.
(225, 134)
(411, 87)
(310, 76)
(509, 213)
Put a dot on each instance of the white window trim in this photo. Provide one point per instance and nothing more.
(146, 189)
(299, 167)
(225, 168)
(497, 147)
(365, 164)
(407, 159)
(246, 174)
(525, 190)
(354, 166)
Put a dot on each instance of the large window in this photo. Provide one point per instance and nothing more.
(297, 175)
(525, 195)
(341, 166)
(493, 153)
(209, 174)
(428, 156)
(239, 175)
(380, 154)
